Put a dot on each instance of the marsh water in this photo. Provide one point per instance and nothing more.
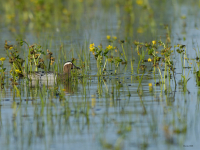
(126, 108)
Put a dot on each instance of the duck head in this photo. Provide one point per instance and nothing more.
(68, 67)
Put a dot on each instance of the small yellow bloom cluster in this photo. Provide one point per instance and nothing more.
(139, 2)
(149, 60)
(108, 37)
(2, 58)
(11, 48)
(92, 48)
(109, 47)
(17, 71)
(114, 37)
(150, 87)
(154, 42)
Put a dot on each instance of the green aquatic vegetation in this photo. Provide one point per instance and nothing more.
(14, 59)
(196, 62)
(198, 78)
(166, 52)
(181, 49)
(40, 13)
(36, 59)
(140, 82)
(16, 62)
(157, 54)
(104, 56)
(2, 72)
(141, 53)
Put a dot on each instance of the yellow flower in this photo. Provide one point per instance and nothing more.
(114, 37)
(139, 2)
(150, 87)
(109, 47)
(183, 17)
(153, 42)
(149, 59)
(11, 48)
(92, 45)
(92, 48)
(2, 58)
(150, 84)
(51, 63)
(17, 71)
(108, 37)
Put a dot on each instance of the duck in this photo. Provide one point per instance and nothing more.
(51, 77)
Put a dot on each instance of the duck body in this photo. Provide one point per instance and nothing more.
(42, 75)
(49, 77)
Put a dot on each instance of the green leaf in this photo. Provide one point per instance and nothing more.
(117, 59)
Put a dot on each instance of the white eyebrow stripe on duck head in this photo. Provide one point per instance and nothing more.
(68, 63)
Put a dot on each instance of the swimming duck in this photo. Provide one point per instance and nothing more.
(51, 76)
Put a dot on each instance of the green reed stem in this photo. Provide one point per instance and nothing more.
(105, 64)
(140, 81)
(165, 72)
(161, 75)
(124, 52)
(132, 70)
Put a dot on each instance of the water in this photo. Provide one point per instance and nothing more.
(108, 112)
